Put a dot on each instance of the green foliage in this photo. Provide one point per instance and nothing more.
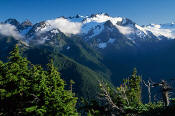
(85, 78)
(91, 108)
(130, 90)
(127, 97)
(134, 88)
(27, 89)
(144, 108)
(72, 82)
(94, 113)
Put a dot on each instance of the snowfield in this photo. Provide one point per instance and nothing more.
(89, 27)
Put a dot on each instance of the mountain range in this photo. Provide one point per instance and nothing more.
(96, 47)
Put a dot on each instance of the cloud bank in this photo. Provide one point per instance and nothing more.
(65, 25)
(9, 30)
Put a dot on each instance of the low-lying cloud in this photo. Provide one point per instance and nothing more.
(124, 30)
(65, 25)
(9, 30)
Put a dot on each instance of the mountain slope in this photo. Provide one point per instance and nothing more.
(86, 80)
(79, 63)
(87, 48)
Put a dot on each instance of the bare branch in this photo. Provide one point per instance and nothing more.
(145, 83)
(108, 98)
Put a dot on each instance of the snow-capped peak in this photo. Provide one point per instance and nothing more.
(96, 26)
(96, 23)
(166, 30)
(101, 18)
(84, 24)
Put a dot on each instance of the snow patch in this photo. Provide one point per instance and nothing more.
(111, 40)
(45, 38)
(97, 30)
(54, 31)
(88, 26)
(124, 21)
(102, 45)
(100, 18)
(140, 28)
(162, 30)
(68, 47)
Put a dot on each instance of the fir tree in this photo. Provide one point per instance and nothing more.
(14, 84)
(134, 88)
(27, 89)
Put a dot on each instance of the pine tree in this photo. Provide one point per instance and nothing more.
(134, 88)
(14, 83)
(27, 89)
(63, 100)
(130, 90)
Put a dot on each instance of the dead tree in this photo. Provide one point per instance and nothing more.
(165, 89)
(106, 96)
(149, 84)
(123, 93)
(71, 84)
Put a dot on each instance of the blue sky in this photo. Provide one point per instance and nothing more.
(140, 11)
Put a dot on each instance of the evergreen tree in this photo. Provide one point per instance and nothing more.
(134, 88)
(54, 92)
(129, 92)
(27, 89)
(14, 84)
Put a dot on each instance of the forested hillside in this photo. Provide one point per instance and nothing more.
(28, 89)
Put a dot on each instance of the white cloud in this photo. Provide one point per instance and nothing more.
(64, 26)
(9, 30)
(124, 30)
